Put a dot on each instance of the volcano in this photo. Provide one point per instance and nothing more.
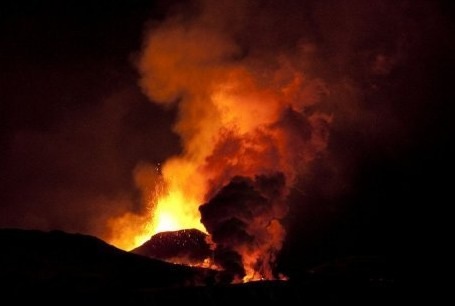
(187, 246)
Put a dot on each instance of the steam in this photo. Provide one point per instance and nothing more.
(250, 119)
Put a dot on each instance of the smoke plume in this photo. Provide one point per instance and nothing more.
(251, 118)
(243, 218)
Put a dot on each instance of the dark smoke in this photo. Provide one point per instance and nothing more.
(239, 218)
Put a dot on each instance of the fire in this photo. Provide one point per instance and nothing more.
(172, 197)
(166, 221)
(248, 127)
(180, 196)
(172, 213)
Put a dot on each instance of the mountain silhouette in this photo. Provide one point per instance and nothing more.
(36, 259)
(73, 269)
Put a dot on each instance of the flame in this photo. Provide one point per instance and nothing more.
(237, 117)
(177, 205)
(188, 180)
(172, 199)
(173, 213)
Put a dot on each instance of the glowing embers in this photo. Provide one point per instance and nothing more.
(189, 247)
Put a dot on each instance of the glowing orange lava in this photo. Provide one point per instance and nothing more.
(172, 204)
(172, 213)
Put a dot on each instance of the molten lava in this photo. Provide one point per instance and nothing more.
(172, 213)
(171, 202)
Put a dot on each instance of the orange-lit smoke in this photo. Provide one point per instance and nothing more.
(240, 114)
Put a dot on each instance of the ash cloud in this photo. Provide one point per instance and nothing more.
(312, 89)
(241, 217)
(248, 107)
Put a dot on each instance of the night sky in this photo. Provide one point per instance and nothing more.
(75, 123)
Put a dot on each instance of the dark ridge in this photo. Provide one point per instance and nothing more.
(57, 260)
(73, 269)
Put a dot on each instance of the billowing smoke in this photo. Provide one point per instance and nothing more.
(256, 87)
(243, 219)
(251, 118)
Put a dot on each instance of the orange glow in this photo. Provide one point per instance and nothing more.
(129, 231)
(238, 108)
(177, 205)
(236, 117)
(172, 213)
(166, 221)
(172, 204)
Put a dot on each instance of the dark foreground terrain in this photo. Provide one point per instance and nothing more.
(61, 268)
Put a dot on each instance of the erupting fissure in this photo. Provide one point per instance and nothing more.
(249, 123)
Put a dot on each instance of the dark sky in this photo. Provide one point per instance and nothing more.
(74, 123)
